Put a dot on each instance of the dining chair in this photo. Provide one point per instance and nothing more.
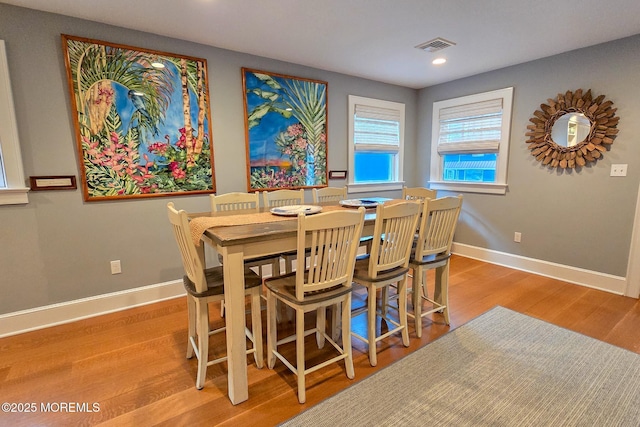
(410, 193)
(329, 194)
(418, 193)
(335, 194)
(207, 285)
(333, 240)
(433, 251)
(386, 264)
(245, 201)
(279, 198)
(235, 201)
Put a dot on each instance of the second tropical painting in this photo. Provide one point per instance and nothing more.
(286, 131)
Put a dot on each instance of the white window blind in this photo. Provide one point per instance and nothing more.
(376, 128)
(471, 128)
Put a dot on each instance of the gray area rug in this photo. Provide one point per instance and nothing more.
(500, 369)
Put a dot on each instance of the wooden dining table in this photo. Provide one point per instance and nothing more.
(240, 235)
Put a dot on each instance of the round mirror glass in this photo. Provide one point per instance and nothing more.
(570, 129)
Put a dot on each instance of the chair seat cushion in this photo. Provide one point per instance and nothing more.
(285, 287)
(215, 282)
(429, 259)
(361, 271)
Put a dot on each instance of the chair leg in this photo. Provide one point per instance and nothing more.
(222, 308)
(321, 325)
(442, 290)
(371, 326)
(336, 311)
(402, 309)
(275, 268)
(368, 246)
(384, 300)
(191, 321)
(418, 280)
(346, 335)
(203, 342)
(256, 329)
(300, 354)
(272, 332)
(288, 265)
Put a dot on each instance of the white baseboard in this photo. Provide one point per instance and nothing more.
(57, 314)
(578, 276)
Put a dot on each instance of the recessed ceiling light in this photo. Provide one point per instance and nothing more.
(438, 61)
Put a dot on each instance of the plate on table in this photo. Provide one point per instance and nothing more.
(294, 210)
(356, 203)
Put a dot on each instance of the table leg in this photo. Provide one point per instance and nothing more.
(233, 265)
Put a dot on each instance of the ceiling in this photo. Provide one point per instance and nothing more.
(373, 39)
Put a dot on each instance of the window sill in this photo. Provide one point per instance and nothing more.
(469, 187)
(374, 186)
(14, 196)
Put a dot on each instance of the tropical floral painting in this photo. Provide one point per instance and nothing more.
(286, 125)
(142, 120)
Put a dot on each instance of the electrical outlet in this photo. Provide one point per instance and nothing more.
(618, 170)
(116, 268)
(517, 237)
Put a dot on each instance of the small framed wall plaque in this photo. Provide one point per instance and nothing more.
(337, 174)
(48, 183)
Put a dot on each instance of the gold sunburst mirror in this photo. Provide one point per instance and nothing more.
(572, 130)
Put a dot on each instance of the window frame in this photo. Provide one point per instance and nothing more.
(396, 184)
(15, 191)
(437, 160)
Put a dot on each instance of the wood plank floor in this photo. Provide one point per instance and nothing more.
(132, 364)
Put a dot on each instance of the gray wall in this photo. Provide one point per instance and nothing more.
(57, 248)
(577, 218)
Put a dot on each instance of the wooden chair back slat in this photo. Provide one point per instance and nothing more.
(418, 193)
(279, 198)
(329, 194)
(234, 201)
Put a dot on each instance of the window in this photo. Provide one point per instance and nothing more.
(12, 188)
(470, 142)
(376, 139)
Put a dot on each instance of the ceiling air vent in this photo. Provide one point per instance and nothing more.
(435, 45)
